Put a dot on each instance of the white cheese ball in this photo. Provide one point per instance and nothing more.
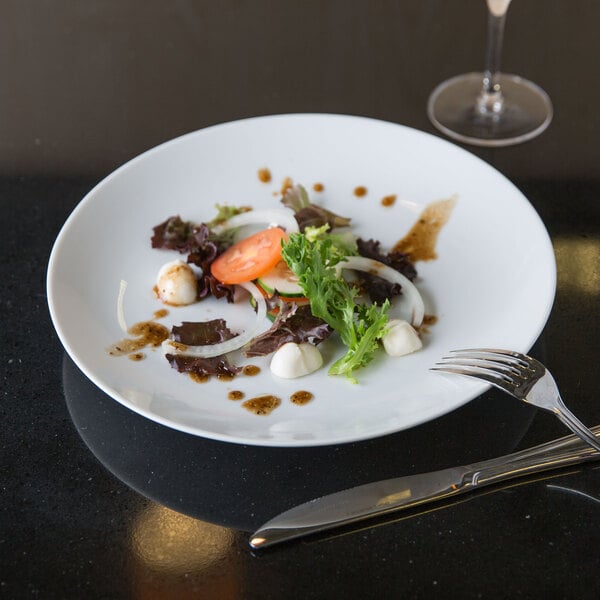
(295, 360)
(401, 338)
(176, 283)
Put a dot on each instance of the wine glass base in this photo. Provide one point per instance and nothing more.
(453, 108)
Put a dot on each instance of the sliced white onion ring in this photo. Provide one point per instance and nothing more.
(283, 217)
(374, 267)
(120, 311)
(209, 350)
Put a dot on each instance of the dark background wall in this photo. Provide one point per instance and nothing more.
(86, 85)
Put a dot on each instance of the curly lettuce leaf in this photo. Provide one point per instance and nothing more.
(173, 234)
(331, 298)
(201, 333)
(308, 214)
(344, 243)
(377, 288)
(369, 327)
(203, 367)
(294, 323)
(201, 245)
(225, 212)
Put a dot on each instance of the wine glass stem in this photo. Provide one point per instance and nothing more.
(491, 101)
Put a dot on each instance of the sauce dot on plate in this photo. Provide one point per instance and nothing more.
(360, 191)
(250, 370)
(262, 405)
(301, 397)
(264, 175)
(199, 378)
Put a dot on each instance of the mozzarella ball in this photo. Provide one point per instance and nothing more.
(295, 360)
(401, 338)
(176, 283)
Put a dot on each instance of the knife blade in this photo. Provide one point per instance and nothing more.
(383, 497)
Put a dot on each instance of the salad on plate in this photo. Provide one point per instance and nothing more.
(304, 277)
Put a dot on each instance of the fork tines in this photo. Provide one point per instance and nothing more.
(507, 357)
(503, 368)
(521, 376)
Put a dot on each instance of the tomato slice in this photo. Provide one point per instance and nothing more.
(249, 258)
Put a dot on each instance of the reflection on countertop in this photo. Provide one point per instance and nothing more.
(176, 556)
(578, 264)
(240, 486)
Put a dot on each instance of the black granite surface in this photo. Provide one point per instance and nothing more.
(99, 502)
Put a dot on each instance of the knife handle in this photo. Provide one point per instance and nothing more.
(569, 450)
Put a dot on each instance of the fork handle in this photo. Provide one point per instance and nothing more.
(577, 427)
(563, 452)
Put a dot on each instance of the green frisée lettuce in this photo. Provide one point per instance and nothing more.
(224, 213)
(344, 242)
(332, 299)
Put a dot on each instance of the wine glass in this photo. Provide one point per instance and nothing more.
(490, 108)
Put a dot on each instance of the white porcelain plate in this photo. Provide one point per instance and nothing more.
(492, 285)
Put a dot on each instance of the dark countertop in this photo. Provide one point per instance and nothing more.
(99, 502)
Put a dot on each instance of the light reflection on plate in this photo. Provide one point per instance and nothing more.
(492, 285)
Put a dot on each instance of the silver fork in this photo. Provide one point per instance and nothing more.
(523, 377)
